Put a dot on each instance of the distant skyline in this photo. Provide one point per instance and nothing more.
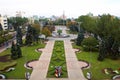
(72, 8)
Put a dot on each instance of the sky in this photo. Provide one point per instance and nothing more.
(71, 8)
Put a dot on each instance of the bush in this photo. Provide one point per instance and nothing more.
(89, 44)
(1, 40)
(100, 58)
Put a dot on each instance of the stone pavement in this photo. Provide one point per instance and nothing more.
(41, 68)
(73, 67)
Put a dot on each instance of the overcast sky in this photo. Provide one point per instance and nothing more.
(72, 8)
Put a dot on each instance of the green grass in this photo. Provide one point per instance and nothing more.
(3, 65)
(97, 66)
(28, 54)
(58, 59)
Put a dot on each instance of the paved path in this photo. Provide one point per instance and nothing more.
(73, 67)
(41, 68)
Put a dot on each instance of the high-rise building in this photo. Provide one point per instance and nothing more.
(4, 22)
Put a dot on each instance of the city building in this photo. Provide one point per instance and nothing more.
(31, 20)
(19, 13)
(4, 22)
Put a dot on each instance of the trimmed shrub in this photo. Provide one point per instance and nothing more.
(89, 44)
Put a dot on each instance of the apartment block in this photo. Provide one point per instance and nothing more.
(4, 22)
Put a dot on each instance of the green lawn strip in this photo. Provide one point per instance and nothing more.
(4, 65)
(28, 54)
(97, 66)
(58, 59)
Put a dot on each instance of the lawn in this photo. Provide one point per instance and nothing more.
(28, 54)
(96, 66)
(58, 59)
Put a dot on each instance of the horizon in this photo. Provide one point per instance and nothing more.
(71, 8)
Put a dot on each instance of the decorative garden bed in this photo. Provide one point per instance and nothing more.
(31, 64)
(2, 76)
(58, 59)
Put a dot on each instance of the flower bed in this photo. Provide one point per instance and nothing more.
(116, 77)
(58, 59)
(110, 71)
(2, 76)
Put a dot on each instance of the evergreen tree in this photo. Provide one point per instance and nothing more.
(102, 51)
(19, 36)
(79, 39)
(19, 53)
(14, 51)
(35, 35)
(115, 50)
(29, 36)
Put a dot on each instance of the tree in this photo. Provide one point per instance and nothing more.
(79, 39)
(115, 50)
(102, 51)
(89, 44)
(17, 21)
(19, 53)
(1, 27)
(88, 23)
(73, 26)
(37, 27)
(106, 28)
(46, 32)
(14, 51)
(29, 36)
(59, 32)
(35, 34)
(19, 37)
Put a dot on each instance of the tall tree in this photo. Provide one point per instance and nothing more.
(14, 51)
(29, 36)
(17, 21)
(46, 32)
(32, 35)
(79, 39)
(19, 53)
(19, 37)
(106, 28)
(88, 23)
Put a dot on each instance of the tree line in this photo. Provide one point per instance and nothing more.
(105, 29)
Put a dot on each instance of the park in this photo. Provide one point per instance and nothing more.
(73, 51)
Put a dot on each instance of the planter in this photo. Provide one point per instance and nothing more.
(116, 77)
(2, 76)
